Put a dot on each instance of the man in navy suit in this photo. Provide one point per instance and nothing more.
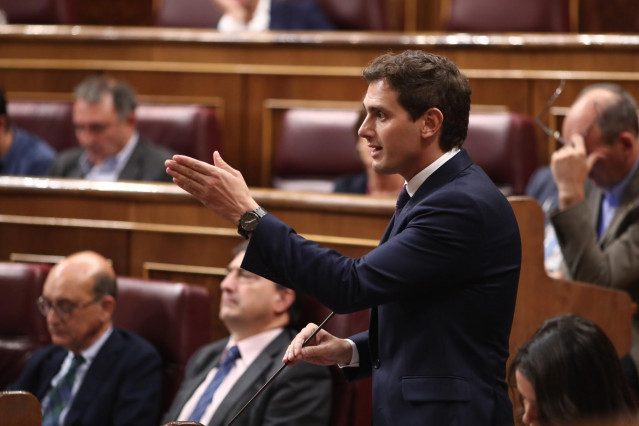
(441, 285)
(118, 378)
(262, 15)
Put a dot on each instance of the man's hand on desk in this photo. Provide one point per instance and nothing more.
(219, 187)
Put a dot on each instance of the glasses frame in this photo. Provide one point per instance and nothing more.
(552, 133)
(45, 306)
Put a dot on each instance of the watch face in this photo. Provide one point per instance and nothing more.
(249, 221)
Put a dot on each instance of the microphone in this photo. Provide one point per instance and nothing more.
(269, 381)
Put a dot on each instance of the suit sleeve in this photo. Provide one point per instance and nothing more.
(425, 256)
(614, 266)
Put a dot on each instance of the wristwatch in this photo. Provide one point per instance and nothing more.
(249, 221)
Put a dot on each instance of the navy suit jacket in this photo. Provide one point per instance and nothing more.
(146, 163)
(123, 385)
(298, 16)
(442, 286)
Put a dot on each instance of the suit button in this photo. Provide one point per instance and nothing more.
(376, 363)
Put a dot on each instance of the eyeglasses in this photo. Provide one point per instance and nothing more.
(550, 133)
(95, 128)
(63, 309)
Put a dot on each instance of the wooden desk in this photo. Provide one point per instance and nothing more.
(158, 230)
(245, 74)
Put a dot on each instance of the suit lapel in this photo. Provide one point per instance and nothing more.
(97, 374)
(50, 368)
(242, 390)
(627, 207)
(133, 166)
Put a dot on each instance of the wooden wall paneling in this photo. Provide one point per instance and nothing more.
(45, 236)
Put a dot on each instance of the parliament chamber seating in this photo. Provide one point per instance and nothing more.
(191, 130)
(39, 11)
(314, 147)
(507, 16)
(504, 145)
(352, 403)
(317, 145)
(187, 13)
(19, 408)
(174, 317)
(356, 15)
(23, 329)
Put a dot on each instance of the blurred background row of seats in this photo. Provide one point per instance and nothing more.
(191, 130)
(375, 15)
(312, 147)
(315, 146)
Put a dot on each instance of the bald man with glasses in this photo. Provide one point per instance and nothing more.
(92, 374)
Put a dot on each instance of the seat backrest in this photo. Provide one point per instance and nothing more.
(22, 328)
(192, 130)
(507, 16)
(504, 145)
(352, 401)
(174, 317)
(19, 408)
(51, 120)
(315, 146)
(57, 12)
(358, 15)
(188, 13)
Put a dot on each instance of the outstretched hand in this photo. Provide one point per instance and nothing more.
(219, 187)
(323, 349)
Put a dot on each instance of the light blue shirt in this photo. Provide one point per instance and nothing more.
(89, 355)
(111, 167)
(611, 199)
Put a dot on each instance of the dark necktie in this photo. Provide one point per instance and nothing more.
(401, 200)
(222, 372)
(60, 394)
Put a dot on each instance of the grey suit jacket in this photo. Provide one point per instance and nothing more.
(300, 395)
(146, 163)
(611, 262)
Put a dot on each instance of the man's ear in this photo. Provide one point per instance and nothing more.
(285, 298)
(431, 121)
(108, 305)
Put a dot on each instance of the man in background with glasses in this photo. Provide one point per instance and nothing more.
(110, 147)
(93, 374)
(596, 173)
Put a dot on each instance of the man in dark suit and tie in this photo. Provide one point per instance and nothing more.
(93, 374)
(441, 285)
(223, 376)
(110, 146)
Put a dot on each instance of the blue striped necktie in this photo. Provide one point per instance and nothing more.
(222, 372)
(60, 394)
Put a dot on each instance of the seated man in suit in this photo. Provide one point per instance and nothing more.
(21, 153)
(110, 147)
(258, 313)
(93, 374)
(262, 15)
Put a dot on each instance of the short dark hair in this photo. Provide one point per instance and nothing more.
(423, 81)
(618, 116)
(105, 284)
(94, 87)
(574, 370)
(3, 107)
